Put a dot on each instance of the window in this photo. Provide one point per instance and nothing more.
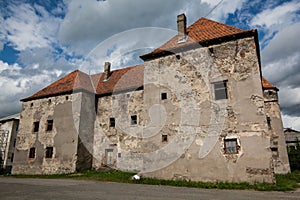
(49, 101)
(49, 152)
(133, 119)
(49, 125)
(269, 122)
(112, 122)
(231, 145)
(12, 157)
(164, 96)
(164, 138)
(31, 105)
(67, 98)
(32, 152)
(36, 126)
(220, 90)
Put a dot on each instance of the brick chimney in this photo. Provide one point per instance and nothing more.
(106, 70)
(181, 26)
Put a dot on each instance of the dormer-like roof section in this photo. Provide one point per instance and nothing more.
(267, 85)
(202, 32)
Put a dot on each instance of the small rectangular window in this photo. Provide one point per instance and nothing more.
(269, 121)
(231, 146)
(164, 138)
(49, 152)
(49, 125)
(133, 119)
(112, 122)
(36, 126)
(32, 152)
(220, 90)
(164, 96)
(12, 158)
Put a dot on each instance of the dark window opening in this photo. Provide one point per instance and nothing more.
(128, 95)
(164, 96)
(220, 90)
(133, 119)
(112, 122)
(49, 101)
(36, 126)
(231, 146)
(31, 105)
(15, 142)
(67, 98)
(211, 50)
(49, 125)
(269, 121)
(49, 152)
(270, 93)
(119, 155)
(12, 157)
(164, 138)
(32, 152)
(178, 57)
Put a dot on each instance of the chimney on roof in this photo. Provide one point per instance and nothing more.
(106, 70)
(181, 26)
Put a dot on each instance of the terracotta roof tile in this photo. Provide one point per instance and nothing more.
(267, 85)
(201, 31)
(119, 80)
(76, 80)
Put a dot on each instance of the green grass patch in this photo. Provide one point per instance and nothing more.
(285, 182)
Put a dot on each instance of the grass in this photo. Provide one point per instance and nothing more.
(286, 182)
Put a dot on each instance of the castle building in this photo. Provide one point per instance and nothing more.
(197, 109)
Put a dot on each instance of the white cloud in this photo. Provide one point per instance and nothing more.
(29, 27)
(291, 122)
(275, 19)
(283, 14)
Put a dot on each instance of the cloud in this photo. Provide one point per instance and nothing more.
(272, 20)
(291, 122)
(17, 82)
(29, 26)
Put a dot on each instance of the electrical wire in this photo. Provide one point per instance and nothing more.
(213, 8)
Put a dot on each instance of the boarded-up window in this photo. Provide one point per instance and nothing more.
(231, 145)
(220, 90)
(49, 152)
(32, 152)
(109, 158)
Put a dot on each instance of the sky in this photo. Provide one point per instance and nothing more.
(43, 40)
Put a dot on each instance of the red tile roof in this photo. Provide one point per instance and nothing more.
(76, 80)
(202, 31)
(267, 85)
(119, 80)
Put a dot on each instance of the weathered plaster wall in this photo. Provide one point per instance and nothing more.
(123, 139)
(278, 144)
(199, 124)
(65, 111)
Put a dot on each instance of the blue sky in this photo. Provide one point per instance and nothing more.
(43, 40)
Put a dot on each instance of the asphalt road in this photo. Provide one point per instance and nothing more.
(15, 188)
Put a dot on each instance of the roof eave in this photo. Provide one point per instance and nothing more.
(206, 43)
